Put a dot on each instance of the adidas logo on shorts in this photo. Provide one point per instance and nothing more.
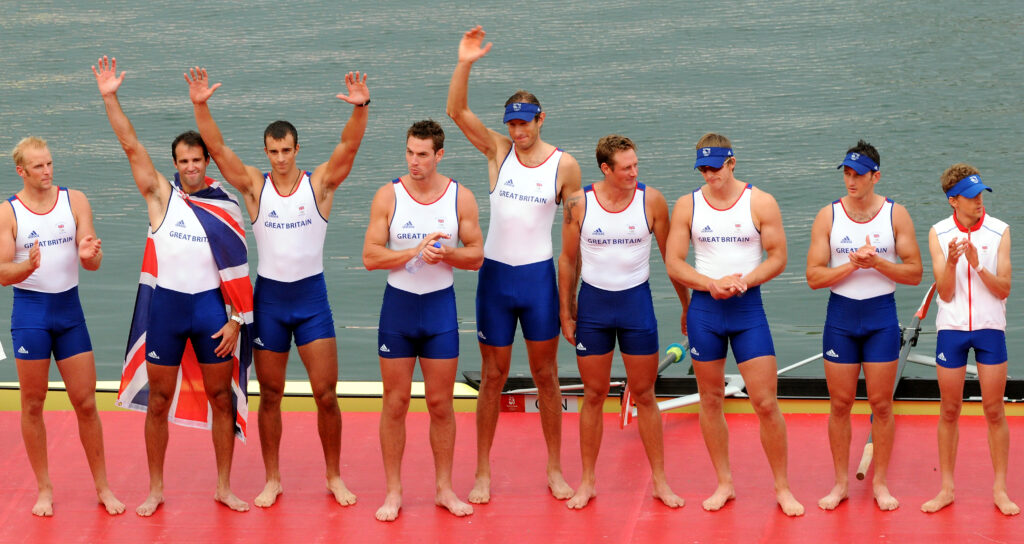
(831, 353)
(22, 350)
(941, 356)
(481, 335)
(695, 352)
(581, 347)
(153, 355)
(384, 349)
(258, 341)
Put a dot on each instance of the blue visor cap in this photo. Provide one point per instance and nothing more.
(861, 163)
(524, 111)
(714, 157)
(969, 187)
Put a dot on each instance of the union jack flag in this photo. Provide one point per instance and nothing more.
(221, 217)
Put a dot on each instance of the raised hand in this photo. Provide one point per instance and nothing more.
(106, 76)
(358, 93)
(471, 48)
(955, 250)
(199, 88)
(34, 258)
(865, 256)
(971, 253)
(89, 247)
(431, 254)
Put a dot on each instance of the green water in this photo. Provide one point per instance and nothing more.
(792, 83)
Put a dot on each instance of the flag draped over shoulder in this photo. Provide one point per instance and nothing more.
(221, 217)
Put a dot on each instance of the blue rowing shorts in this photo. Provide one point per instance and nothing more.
(176, 317)
(951, 347)
(45, 323)
(505, 295)
(602, 316)
(412, 325)
(861, 331)
(282, 309)
(713, 324)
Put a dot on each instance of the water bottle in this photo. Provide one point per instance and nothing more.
(416, 263)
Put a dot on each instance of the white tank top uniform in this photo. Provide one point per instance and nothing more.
(724, 241)
(289, 232)
(522, 211)
(56, 232)
(973, 306)
(412, 221)
(184, 260)
(615, 247)
(847, 236)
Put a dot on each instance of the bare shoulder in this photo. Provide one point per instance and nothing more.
(567, 161)
(77, 198)
(684, 205)
(465, 193)
(758, 195)
(385, 194)
(7, 217)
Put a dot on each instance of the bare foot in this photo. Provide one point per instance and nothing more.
(110, 502)
(481, 493)
(723, 494)
(582, 497)
(340, 492)
(1005, 505)
(560, 488)
(834, 497)
(389, 510)
(152, 502)
(942, 500)
(886, 502)
(449, 500)
(227, 498)
(268, 496)
(665, 495)
(789, 504)
(44, 504)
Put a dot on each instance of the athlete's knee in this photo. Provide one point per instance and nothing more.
(995, 412)
(881, 406)
(949, 411)
(159, 404)
(327, 401)
(494, 376)
(395, 405)
(841, 406)
(220, 400)
(84, 404)
(712, 400)
(32, 404)
(645, 398)
(439, 405)
(546, 373)
(765, 407)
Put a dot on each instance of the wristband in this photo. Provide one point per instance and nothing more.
(237, 319)
(367, 103)
(979, 269)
